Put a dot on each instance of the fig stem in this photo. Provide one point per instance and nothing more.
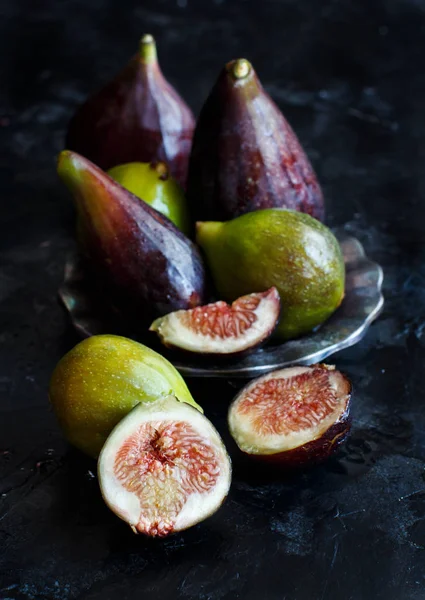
(147, 49)
(162, 170)
(240, 68)
(69, 168)
(207, 230)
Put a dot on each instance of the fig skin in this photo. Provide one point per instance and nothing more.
(101, 380)
(282, 248)
(149, 266)
(315, 451)
(245, 156)
(152, 183)
(137, 117)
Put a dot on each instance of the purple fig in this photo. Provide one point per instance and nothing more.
(150, 266)
(245, 156)
(137, 117)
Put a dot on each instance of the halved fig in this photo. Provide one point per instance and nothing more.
(293, 416)
(164, 468)
(220, 328)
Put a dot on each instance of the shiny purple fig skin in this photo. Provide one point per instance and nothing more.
(314, 452)
(137, 117)
(152, 268)
(245, 156)
(306, 456)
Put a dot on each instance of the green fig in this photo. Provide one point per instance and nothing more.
(153, 183)
(148, 266)
(282, 248)
(101, 379)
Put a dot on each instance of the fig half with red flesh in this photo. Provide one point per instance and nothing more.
(220, 328)
(164, 468)
(294, 416)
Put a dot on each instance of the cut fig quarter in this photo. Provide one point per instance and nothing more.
(220, 328)
(164, 468)
(293, 416)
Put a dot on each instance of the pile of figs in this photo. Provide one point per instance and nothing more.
(237, 181)
(162, 466)
(210, 234)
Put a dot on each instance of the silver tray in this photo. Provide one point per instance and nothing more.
(361, 306)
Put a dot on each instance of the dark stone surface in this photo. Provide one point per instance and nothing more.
(349, 77)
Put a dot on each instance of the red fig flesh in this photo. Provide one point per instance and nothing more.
(164, 468)
(150, 266)
(221, 328)
(245, 156)
(293, 416)
(137, 117)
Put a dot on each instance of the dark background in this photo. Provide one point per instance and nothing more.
(349, 76)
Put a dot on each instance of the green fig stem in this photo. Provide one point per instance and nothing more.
(68, 168)
(161, 169)
(147, 49)
(240, 68)
(207, 231)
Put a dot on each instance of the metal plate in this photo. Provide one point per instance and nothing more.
(362, 304)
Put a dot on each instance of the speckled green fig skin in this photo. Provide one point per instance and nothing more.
(283, 248)
(101, 379)
(152, 183)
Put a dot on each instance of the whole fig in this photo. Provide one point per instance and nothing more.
(282, 248)
(137, 117)
(245, 156)
(150, 267)
(99, 381)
